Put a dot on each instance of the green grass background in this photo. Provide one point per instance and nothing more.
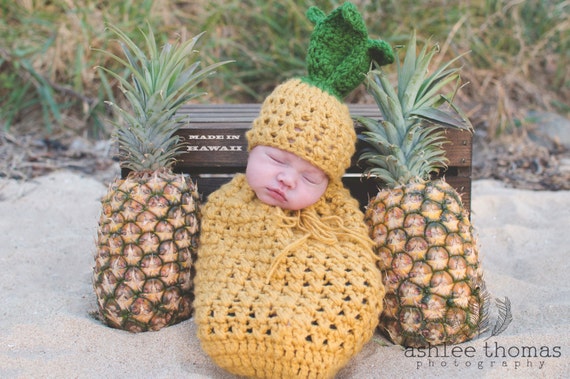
(518, 60)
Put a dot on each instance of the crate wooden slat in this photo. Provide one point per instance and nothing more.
(217, 148)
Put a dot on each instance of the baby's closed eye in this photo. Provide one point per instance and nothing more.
(276, 159)
(313, 178)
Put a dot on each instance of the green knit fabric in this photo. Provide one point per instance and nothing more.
(340, 50)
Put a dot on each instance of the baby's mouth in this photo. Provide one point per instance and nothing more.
(277, 194)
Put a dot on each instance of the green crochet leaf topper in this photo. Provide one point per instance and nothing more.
(340, 51)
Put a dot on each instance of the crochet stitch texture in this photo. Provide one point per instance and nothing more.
(267, 312)
(312, 124)
(340, 50)
(295, 294)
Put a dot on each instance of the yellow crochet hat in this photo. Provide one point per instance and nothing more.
(306, 116)
(308, 122)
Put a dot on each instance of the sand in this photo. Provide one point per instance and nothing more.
(47, 329)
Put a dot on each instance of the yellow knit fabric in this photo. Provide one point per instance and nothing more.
(284, 294)
(308, 122)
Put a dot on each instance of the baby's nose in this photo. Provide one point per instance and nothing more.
(286, 178)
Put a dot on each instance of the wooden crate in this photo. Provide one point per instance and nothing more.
(218, 149)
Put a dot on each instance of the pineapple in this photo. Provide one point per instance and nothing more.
(423, 236)
(149, 224)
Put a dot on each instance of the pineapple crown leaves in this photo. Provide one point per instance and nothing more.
(158, 84)
(408, 143)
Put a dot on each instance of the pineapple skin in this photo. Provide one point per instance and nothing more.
(146, 245)
(430, 265)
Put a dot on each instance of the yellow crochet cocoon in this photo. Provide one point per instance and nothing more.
(284, 294)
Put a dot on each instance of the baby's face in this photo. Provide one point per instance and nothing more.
(282, 179)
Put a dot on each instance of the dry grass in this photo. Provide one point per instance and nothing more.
(518, 61)
(519, 56)
(510, 75)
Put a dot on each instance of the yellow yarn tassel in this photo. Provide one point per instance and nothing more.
(320, 229)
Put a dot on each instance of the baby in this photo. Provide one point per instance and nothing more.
(286, 281)
(282, 179)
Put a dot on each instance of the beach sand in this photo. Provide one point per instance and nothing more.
(47, 328)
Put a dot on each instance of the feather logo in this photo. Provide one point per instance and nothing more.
(504, 316)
